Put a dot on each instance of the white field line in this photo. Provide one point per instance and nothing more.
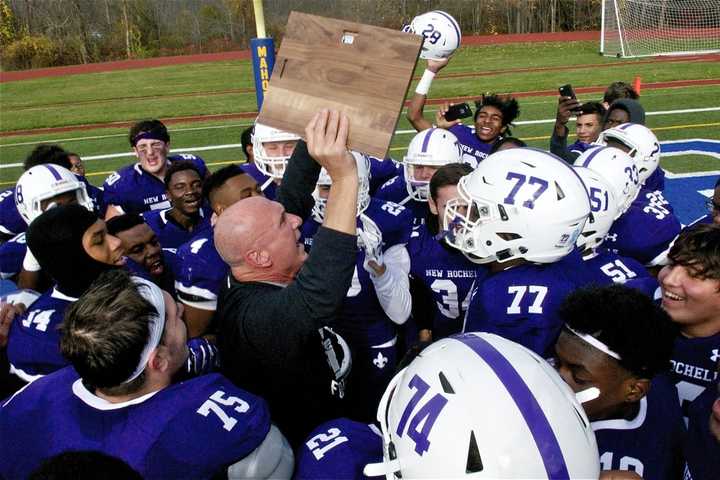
(398, 132)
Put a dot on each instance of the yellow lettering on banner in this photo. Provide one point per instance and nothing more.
(265, 84)
(263, 63)
(262, 51)
(264, 75)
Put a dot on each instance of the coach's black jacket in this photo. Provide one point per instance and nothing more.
(269, 341)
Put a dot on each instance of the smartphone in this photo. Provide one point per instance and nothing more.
(461, 110)
(567, 91)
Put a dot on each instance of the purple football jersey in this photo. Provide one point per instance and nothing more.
(171, 234)
(608, 267)
(201, 272)
(447, 275)
(11, 223)
(381, 171)
(579, 147)
(362, 322)
(650, 443)
(395, 190)
(701, 449)
(646, 230)
(136, 191)
(34, 340)
(473, 149)
(339, 449)
(694, 366)
(193, 429)
(268, 187)
(521, 304)
(655, 182)
(12, 254)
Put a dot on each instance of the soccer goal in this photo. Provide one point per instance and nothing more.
(641, 28)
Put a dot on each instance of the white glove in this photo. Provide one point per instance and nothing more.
(370, 240)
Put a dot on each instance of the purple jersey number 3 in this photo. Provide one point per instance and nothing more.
(428, 412)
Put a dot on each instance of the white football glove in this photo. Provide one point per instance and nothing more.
(370, 240)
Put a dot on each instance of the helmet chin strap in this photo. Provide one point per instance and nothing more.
(587, 395)
(390, 464)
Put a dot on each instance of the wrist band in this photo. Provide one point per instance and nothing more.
(423, 86)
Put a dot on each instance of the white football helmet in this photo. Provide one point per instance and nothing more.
(363, 170)
(643, 144)
(440, 31)
(42, 182)
(518, 203)
(603, 209)
(480, 406)
(619, 171)
(273, 167)
(433, 147)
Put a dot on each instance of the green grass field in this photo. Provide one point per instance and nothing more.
(226, 87)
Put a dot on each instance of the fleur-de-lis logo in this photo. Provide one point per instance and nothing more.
(380, 361)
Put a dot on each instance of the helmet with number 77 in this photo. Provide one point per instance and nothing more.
(43, 182)
(642, 142)
(480, 406)
(518, 203)
(440, 31)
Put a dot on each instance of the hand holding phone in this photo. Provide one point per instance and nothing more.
(568, 92)
(455, 112)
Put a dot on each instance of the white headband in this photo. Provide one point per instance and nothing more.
(156, 324)
(596, 343)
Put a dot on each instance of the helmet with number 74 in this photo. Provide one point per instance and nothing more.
(480, 406)
(642, 143)
(440, 31)
(520, 203)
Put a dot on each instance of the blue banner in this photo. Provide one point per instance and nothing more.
(263, 56)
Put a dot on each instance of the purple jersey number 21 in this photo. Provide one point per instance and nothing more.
(428, 412)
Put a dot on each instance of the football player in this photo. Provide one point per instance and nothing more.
(119, 397)
(145, 256)
(339, 449)
(38, 189)
(379, 296)
(201, 270)
(271, 150)
(73, 246)
(442, 277)
(648, 226)
(480, 406)
(428, 151)
(690, 286)
(187, 215)
(140, 187)
(605, 266)
(636, 418)
(11, 222)
(702, 445)
(519, 213)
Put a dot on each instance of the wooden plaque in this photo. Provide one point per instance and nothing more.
(358, 69)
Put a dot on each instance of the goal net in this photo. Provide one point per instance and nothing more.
(641, 28)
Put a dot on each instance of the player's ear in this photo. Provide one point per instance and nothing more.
(636, 389)
(158, 359)
(433, 206)
(258, 258)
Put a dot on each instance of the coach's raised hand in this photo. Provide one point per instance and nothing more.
(327, 135)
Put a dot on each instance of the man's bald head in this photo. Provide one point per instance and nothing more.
(239, 226)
